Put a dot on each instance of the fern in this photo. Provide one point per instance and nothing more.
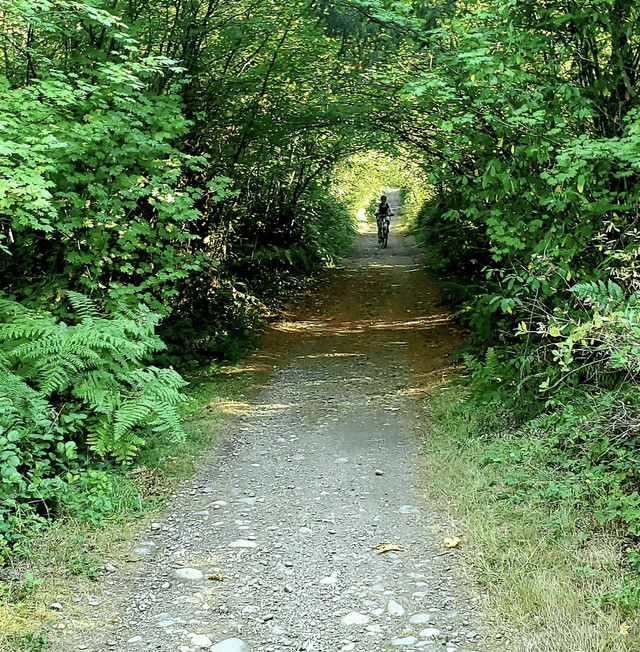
(605, 297)
(84, 307)
(98, 364)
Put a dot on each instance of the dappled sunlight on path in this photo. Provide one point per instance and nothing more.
(377, 300)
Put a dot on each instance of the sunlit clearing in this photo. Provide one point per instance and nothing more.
(362, 221)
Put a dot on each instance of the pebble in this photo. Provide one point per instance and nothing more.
(355, 618)
(187, 574)
(429, 632)
(420, 619)
(144, 548)
(332, 579)
(231, 645)
(200, 640)
(404, 641)
(409, 509)
(395, 608)
(243, 543)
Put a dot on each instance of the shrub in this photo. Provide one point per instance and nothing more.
(69, 392)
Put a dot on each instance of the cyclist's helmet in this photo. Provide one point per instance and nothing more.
(383, 198)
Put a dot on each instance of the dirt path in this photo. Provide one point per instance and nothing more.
(271, 547)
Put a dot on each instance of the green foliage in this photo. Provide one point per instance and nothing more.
(99, 364)
(597, 337)
(69, 390)
(93, 201)
(625, 600)
(94, 194)
(534, 162)
(581, 451)
(30, 642)
(84, 564)
(96, 497)
(216, 321)
(534, 555)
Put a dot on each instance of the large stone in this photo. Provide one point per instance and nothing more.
(187, 574)
(395, 608)
(354, 618)
(231, 645)
(429, 632)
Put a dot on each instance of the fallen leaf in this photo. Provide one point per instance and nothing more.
(625, 629)
(384, 546)
(451, 542)
(218, 577)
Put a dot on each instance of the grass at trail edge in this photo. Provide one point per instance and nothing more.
(551, 577)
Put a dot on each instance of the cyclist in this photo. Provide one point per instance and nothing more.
(383, 214)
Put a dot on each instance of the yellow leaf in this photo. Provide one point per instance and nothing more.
(523, 326)
(473, 77)
(513, 148)
(580, 188)
(385, 546)
(625, 629)
(509, 310)
(451, 542)
(558, 188)
(569, 275)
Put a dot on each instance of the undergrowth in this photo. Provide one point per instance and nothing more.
(548, 514)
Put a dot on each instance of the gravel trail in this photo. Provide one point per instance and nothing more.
(273, 545)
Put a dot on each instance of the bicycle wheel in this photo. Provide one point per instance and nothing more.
(385, 237)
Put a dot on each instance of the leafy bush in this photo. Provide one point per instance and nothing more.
(68, 391)
(212, 323)
(574, 453)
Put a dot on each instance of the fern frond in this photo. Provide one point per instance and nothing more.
(83, 305)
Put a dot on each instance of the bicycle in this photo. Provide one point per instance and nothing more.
(385, 233)
(383, 230)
